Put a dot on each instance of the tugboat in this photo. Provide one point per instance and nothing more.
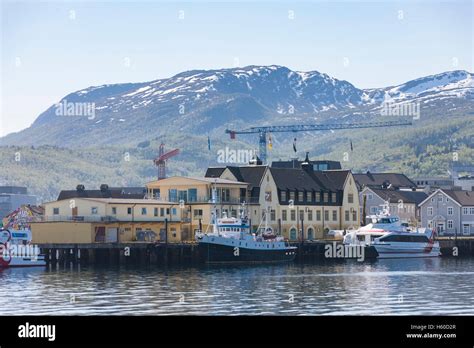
(231, 241)
(16, 249)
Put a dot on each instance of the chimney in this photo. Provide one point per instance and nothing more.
(306, 164)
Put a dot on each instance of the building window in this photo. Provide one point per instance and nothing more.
(192, 195)
(197, 213)
(155, 211)
(430, 211)
(346, 215)
(143, 211)
(450, 211)
(317, 196)
(162, 211)
(333, 197)
(440, 197)
(173, 211)
(283, 196)
(94, 210)
(310, 215)
(301, 215)
(173, 195)
(464, 211)
(309, 197)
(129, 210)
(114, 210)
(471, 211)
(334, 215)
(284, 215)
(354, 215)
(273, 215)
(318, 215)
(300, 196)
(326, 215)
(450, 224)
(292, 215)
(55, 211)
(350, 198)
(326, 197)
(292, 195)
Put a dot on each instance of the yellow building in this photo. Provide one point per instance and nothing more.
(91, 220)
(300, 202)
(194, 197)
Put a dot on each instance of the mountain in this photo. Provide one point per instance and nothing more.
(184, 109)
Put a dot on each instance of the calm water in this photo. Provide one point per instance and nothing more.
(418, 286)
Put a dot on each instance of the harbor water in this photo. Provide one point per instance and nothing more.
(436, 286)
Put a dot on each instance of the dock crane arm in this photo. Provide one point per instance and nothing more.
(262, 131)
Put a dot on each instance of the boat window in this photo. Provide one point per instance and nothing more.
(405, 239)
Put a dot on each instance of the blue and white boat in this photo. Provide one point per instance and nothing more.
(231, 241)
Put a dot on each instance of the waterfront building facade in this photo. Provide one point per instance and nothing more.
(450, 212)
(102, 220)
(403, 203)
(301, 201)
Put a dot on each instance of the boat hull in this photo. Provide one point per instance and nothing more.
(39, 261)
(218, 253)
(389, 252)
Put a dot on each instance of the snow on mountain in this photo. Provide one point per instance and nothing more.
(202, 100)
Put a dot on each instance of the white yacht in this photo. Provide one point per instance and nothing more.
(406, 245)
(16, 249)
(379, 225)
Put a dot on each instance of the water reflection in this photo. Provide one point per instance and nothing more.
(406, 287)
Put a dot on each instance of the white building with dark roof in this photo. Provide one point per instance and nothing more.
(450, 212)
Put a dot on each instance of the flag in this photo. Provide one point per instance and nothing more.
(208, 143)
(352, 148)
(294, 145)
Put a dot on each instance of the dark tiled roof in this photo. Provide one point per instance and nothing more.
(295, 163)
(294, 179)
(250, 174)
(214, 172)
(376, 180)
(110, 193)
(465, 198)
(338, 177)
(395, 196)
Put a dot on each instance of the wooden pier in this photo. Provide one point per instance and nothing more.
(167, 254)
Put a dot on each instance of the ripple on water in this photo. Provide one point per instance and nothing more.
(401, 287)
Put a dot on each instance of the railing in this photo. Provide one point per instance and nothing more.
(207, 199)
(107, 218)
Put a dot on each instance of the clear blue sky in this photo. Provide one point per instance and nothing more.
(48, 51)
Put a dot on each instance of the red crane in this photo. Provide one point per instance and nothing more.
(160, 161)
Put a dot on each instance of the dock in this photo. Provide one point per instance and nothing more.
(187, 253)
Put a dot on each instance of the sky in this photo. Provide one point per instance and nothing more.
(51, 48)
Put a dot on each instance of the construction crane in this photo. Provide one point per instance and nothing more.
(262, 131)
(160, 161)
